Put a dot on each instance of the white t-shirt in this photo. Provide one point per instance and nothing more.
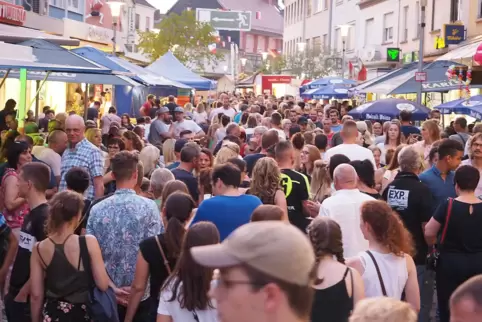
(231, 112)
(281, 134)
(186, 125)
(200, 117)
(220, 134)
(352, 151)
(174, 310)
(52, 158)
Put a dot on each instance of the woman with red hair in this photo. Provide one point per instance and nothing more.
(387, 268)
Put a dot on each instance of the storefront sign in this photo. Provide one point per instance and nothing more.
(393, 54)
(454, 34)
(438, 85)
(267, 82)
(12, 14)
(85, 31)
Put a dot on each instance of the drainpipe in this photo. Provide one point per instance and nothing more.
(330, 24)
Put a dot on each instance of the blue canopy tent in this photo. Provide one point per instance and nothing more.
(326, 92)
(63, 65)
(169, 66)
(129, 100)
(388, 109)
(471, 107)
(405, 83)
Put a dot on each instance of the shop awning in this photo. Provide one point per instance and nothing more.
(464, 52)
(382, 78)
(126, 68)
(16, 34)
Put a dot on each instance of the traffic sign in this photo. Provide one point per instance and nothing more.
(420, 76)
(225, 20)
(393, 54)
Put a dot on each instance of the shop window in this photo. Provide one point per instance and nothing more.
(57, 3)
(138, 21)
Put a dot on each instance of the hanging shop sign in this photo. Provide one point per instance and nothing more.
(454, 34)
(12, 14)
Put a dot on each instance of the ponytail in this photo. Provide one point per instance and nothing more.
(174, 236)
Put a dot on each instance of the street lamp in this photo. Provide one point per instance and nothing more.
(423, 5)
(344, 29)
(225, 68)
(115, 10)
(264, 55)
(243, 62)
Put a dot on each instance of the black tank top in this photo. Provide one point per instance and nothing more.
(62, 280)
(333, 304)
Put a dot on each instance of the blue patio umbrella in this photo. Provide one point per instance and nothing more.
(330, 81)
(326, 92)
(471, 107)
(388, 109)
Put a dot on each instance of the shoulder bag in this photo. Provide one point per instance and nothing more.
(102, 306)
(434, 254)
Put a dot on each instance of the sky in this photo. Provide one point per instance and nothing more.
(164, 5)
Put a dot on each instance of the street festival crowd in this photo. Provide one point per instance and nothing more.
(249, 208)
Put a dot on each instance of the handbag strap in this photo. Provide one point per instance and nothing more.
(384, 291)
(446, 224)
(164, 258)
(84, 254)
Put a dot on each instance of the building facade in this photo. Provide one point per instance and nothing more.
(375, 26)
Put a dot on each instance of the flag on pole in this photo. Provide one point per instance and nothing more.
(350, 70)
(362, 74)
(258, 15)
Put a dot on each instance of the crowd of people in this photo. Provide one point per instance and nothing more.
(250, 208)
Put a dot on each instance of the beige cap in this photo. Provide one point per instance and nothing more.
(275, 248)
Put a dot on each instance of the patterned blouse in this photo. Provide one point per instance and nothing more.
(120, 223)
(84, 155)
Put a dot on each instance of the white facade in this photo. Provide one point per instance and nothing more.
(375, 26)
(143, 20)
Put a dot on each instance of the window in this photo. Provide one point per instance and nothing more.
(148, 23)
(317, 43)
(138, 21)
(74, 6)
(437, 19)
(405, 24)
(325, 43)
(388, 27)
(369, 24)
(417, 18)
(57, 3)
(337, 39)
(309, 7)
(350, 39)
(479, 11)
(454, 10)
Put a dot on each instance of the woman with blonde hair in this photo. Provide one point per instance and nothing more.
(385, 175)
(393, 138)
(149, 156)
(430, 134)
(228, 150)
(309, 154)
(387, 267)
(383, 309)
(337, 287)
(168, 155)
(320, 187)
(265, 184)
(94, 136)
(200, 116)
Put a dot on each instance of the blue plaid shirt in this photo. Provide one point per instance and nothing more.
(84, 155)
(120, 222)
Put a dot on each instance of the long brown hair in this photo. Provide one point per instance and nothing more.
(393, 165)
(326, 237)
(177, 210)
(137, 143)
(400, 139)
(387, 227)
(172, 187)
(190, 282)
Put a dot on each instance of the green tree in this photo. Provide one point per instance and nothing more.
(186, 37)
(313, 63)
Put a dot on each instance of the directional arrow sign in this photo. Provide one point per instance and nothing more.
(225, 20)
(393, 54)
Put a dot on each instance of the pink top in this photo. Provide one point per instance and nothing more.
(478, 190)
(14, 218)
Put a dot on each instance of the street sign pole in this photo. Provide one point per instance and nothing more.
(423, 4)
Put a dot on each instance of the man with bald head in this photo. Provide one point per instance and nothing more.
(51, 155)
(344, 208)
(83, 154)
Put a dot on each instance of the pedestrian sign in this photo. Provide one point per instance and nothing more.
(225, 20)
